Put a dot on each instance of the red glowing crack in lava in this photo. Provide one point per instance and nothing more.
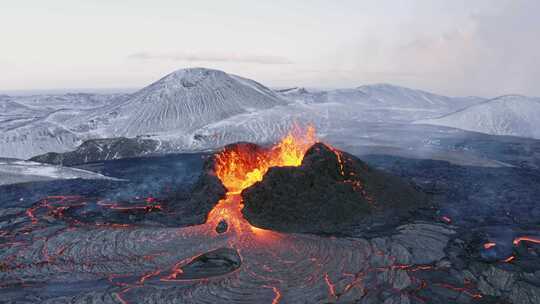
(516, 242)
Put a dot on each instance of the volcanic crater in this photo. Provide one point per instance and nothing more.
(323, 191)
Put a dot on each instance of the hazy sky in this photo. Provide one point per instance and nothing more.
(454, 47)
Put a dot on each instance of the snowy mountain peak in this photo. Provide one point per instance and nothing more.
(183, 101)
(195, 70)
(190, 77)
(193, 80)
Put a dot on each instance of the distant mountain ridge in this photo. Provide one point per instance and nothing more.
(383, 95)
(513, 115)
(8, 106)
(199, 109)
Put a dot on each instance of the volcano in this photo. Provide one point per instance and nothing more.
(330, 191)
(304, 186)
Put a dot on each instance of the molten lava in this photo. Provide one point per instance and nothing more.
(240, 167)
(243, 165)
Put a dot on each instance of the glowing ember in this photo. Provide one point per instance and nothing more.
(243, 165)
(489, 245)
(509, 259)
(446, 219)
(526, 239)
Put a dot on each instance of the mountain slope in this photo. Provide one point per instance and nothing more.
(67, 101)
(383, 102)
(392, 95)
(184, 101)
(7, 105)
(173, 107)
(506, 115)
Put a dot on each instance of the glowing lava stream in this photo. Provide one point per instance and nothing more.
(241, 166)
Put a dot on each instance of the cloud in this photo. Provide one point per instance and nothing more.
(485, 52)
(211, 57)
(492, 54)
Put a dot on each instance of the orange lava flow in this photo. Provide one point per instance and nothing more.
(243, 165)
(509, 259)
(240, 167)
(526, 239)
(489, 245)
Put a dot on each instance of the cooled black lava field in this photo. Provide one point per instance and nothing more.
(165, 234)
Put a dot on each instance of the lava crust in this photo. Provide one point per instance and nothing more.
(214, 263)
(330, 191)
(205, 194)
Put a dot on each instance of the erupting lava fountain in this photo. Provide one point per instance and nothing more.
(240, 166)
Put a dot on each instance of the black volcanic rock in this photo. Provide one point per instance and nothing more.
(330, 191)
(100, 149)
(207, 191)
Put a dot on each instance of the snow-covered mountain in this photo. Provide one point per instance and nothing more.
(506, 115)
(172, 107)
(182, 102)
(199, 109)
(396, 96)
(35, 137)
(381, 95)
(35, 124)
(380, 102)
(330, 111)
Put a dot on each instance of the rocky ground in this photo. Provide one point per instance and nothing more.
(135, 241)
(101, 149)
